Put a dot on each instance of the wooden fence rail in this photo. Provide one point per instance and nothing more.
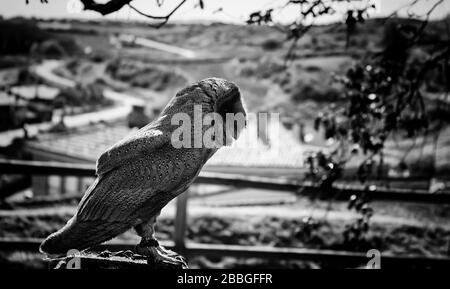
(342, 191)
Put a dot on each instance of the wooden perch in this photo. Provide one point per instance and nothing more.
(107, 260)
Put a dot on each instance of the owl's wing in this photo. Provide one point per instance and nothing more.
(110, 207)
(117, 197)
(123, 195)
(125, 152)
(145, 140)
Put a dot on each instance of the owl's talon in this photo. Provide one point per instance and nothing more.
(172, 254)
(127, 254)
(170, 257)
(159, 255)
(105, 254)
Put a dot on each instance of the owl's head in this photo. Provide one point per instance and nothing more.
(195, 104)
(226, 100)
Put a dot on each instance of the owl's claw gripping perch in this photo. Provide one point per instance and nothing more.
(158, 255)
(127, 254)
(172, 254)
(169, 257)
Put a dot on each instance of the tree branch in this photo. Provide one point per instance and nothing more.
(105, 8)
(164, 18)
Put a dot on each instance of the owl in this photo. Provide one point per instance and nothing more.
(142, 173)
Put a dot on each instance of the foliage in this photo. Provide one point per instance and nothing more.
(271, 44)
(385, 94)
(82, 95)
(17, 37)
(144, 75)
(20, 36)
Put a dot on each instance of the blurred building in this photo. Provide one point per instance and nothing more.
(13, 112)
(42, 93)
(40, 99)
(137, 117)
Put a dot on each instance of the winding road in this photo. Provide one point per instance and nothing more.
(123, 104)
(148, 43)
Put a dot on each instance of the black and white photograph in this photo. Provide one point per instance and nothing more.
(247, 135)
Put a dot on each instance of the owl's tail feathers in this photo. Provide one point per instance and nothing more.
(80, 236)
(56, 243)
(63, 240)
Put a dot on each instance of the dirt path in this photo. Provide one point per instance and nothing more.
(163, 47)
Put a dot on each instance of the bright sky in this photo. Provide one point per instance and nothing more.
(235, 11)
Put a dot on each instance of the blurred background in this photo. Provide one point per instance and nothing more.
(362, 97)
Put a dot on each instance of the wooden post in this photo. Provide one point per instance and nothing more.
(180, 220)
(40, 185)
(80, 189)
(62, 185)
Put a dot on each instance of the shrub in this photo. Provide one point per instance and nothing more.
(271, 44)
(19, 36)
(144, 75)
(312, 91)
